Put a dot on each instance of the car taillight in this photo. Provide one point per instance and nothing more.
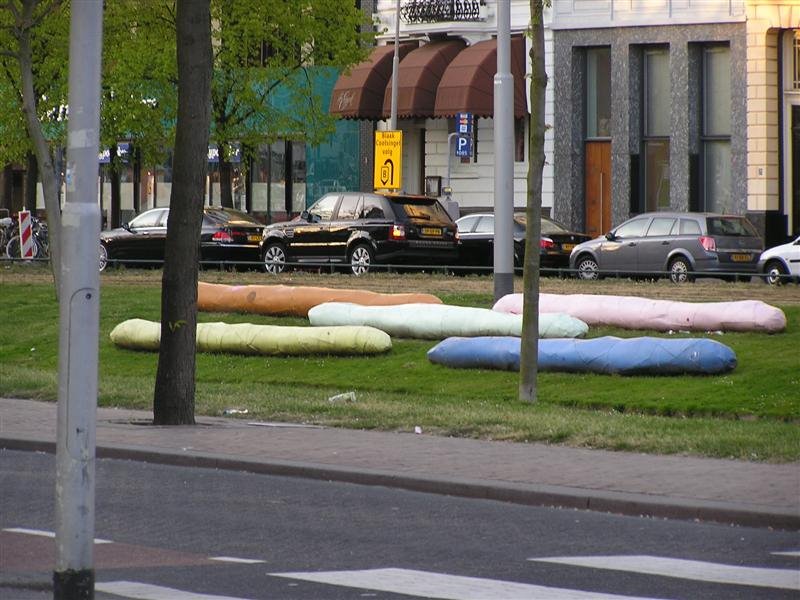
(709, 244)
(546, 244)
(222, 236)
(398, 232)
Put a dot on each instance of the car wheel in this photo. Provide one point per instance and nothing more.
(275, 258)
(680, 270)
(775, 273)
(587, 268)
(103, 257)
(361, 258)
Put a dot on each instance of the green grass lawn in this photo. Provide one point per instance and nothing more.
(751, 413)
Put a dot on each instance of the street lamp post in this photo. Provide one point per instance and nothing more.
(395, 68)
(503, 157)
(79, 314)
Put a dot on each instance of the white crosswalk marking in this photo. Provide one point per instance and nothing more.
(50, 534)
(686, 569)
(233, 559)
(425, 584)
(145, 591)
(788, 553)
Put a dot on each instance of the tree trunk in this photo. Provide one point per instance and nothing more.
(116, 188)
(225, 181)
(41, 148)
(173, 401)
(529, 349)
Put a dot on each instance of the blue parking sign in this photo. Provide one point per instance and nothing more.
(464, 134)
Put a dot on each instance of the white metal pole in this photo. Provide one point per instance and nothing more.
(395, 68)
(503, 157)
(79, 314)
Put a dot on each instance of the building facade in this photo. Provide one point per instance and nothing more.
(687, 105)
(447, 66)
(675, 105)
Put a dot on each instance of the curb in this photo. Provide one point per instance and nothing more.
(623, 503)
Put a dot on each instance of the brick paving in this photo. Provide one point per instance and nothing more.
(727, 491)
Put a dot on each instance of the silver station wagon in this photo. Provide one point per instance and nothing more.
(679, 245)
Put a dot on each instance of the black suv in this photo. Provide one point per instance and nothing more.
(361, 229)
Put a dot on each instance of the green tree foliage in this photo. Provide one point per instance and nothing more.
(35, 47)
(36, 31)
(139, 76)
(263, 53)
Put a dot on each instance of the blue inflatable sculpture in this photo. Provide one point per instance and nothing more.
(631, 356)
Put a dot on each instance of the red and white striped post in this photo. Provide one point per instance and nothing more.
(26, 243)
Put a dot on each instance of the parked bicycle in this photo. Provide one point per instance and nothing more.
(6, 224)
(41, 241)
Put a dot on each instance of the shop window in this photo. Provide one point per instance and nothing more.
(796, 60)
(657, 109)
(716, 128)
(598, 93)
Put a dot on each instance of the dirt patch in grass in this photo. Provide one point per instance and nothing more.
(704, 290)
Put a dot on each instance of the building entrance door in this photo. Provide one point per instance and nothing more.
(597, 190)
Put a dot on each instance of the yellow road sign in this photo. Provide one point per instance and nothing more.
(388, 160)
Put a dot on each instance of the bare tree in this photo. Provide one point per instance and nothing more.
(529, 349)
(173, 402)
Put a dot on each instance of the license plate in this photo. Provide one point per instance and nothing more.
(567, 247)
(253, 238)
(431, 231)
(741, 257)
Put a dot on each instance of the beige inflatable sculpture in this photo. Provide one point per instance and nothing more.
(291, 300)
(272, 340)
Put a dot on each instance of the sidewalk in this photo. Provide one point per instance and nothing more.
(726, 491)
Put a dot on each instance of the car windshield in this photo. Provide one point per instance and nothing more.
(426, 210)
(229, 216)
(730, 226)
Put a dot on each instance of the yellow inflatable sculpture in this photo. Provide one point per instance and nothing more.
(272, 340)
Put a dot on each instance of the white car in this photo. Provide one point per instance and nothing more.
(781, 263)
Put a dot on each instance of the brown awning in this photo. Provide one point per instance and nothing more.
(359, 95)
(418, 78)
(468, 82)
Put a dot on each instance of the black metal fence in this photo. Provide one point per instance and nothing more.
(328, 267)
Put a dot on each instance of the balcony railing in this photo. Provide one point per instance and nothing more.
(438, 11)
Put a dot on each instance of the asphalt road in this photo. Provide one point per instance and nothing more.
(177, 528)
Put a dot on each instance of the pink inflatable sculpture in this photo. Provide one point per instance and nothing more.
(628, 312)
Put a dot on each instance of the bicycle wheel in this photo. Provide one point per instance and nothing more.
(13, 248)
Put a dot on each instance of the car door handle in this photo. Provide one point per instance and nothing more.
(631, 243)
(665, 243)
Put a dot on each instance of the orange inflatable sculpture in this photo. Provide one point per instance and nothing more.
(291, 300)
